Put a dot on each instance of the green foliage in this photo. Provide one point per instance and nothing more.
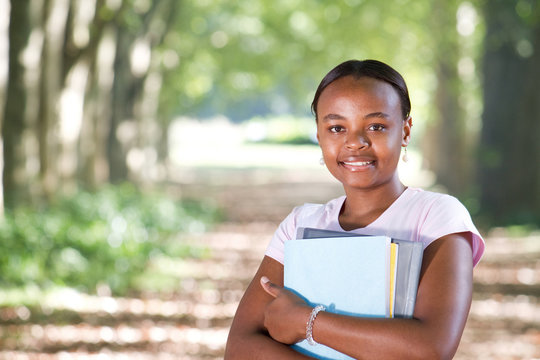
(521, 231)
(259, 57)
(107, 237)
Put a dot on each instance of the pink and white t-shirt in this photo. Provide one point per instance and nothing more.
(415, 215)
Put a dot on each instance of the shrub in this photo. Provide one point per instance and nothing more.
(92, 238)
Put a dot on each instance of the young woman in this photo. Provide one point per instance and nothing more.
(362, 110)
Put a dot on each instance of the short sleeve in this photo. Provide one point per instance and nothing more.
(447, 216)
(285, 231)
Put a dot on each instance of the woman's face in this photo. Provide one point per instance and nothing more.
(361, 130)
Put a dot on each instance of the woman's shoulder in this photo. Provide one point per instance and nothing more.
(444, 214)
(430, 208)
(426, 194)
(418, 196)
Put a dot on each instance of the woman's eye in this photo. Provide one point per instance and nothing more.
(376, 127)
(336, 129)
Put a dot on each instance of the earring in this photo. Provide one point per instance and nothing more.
(321, 161)
(405, 157)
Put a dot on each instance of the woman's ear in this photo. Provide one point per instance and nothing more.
(406, 133)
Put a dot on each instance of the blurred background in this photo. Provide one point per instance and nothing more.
(151, 147)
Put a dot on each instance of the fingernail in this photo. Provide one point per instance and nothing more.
(265, 280)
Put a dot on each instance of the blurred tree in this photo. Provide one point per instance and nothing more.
(509, 176)
(130, 70)
(89, 49)
(446, 141)
(14, 119)
(85, 75)
(52, 23)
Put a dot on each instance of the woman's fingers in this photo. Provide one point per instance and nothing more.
(269, 287)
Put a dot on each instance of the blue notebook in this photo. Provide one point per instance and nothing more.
(348, 275)
(408, 268)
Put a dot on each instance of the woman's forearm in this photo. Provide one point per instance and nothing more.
(248, 338)
(371, 338)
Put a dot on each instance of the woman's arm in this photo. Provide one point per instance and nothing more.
(248, 337)
(442, 305)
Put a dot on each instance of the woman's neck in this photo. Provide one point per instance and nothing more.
(362, 207)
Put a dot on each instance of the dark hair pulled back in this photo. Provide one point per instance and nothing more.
(366, 68)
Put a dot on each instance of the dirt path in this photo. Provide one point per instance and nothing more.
(192, 323)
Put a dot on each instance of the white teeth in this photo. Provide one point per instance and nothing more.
(358, 163)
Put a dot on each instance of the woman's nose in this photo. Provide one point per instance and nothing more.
(357, 140)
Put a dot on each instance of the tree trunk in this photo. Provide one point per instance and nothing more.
(14, 116)
(52, 163)
(128, 90)
(122, 98)
(91, 148)
(153, 125)
(510, 140)
(90, 145)
(45, 106)
(94, 168)
(445, 143)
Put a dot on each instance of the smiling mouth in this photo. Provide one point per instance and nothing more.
(359, 163)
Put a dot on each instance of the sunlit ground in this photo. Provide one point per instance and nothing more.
(192, 322)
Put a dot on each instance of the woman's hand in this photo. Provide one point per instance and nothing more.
(285, 317)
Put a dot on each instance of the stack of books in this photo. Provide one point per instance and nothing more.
(350, 274)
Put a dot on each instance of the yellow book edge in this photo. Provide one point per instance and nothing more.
(393, 270)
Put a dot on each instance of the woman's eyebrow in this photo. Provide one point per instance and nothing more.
(329, 117)
(377, 115)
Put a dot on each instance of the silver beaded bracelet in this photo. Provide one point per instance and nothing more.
(309, 327)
